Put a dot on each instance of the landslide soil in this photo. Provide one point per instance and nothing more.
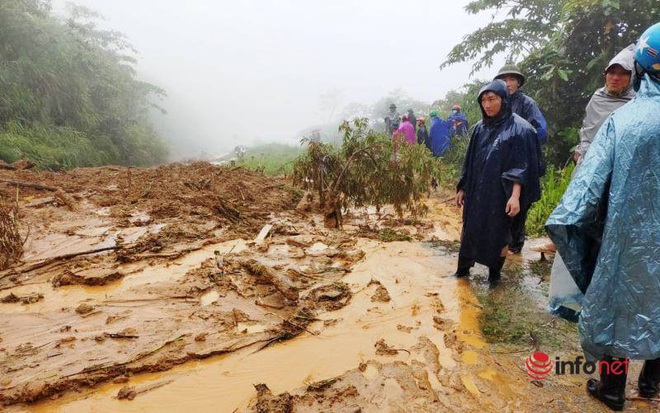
(128, 271)
(137, 270)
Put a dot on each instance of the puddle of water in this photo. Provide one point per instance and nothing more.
(469, 357)
(469, 330)
(209, 298)
(316, 249)
(468, 383)
(176, 269)
(67, 296)
(225, 383)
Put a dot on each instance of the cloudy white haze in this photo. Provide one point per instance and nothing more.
(249, 71)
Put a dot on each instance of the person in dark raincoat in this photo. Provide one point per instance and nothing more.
(500, 178)
(525, 107)
(458, 122)
(606, 229)
(439, 134)
(423, 133)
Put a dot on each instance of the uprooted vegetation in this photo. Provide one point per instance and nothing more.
(11, 244)
(367, 169)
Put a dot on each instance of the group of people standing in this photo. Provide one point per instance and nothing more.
(606, 225)
(436, 136)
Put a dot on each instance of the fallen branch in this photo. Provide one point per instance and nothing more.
(48, 261)
(279, 281)
(31, 185)
(120, 335)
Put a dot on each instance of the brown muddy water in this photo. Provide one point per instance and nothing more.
(416, 280)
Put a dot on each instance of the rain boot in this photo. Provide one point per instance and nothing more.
(463, 269)
(611, 389)
(649, 379)
(495, 273)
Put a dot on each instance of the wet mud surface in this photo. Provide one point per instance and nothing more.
(202, 287)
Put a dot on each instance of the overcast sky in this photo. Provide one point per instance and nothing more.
(253, 70)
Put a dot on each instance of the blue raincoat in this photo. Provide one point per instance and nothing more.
(458, 124)
(440, 136)
(607, 230)
(503, 150)
(526, 107)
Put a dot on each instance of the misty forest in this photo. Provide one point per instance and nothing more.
(70, 93)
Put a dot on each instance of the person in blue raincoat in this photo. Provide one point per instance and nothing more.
(606, 229)
(525, 107)
(458, 122)
(439, 134)
(565, 296)
(500, 178)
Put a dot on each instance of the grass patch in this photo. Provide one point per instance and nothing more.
(271, 159)
(511, 315)
(51, 148)
(448, 246)
(553, 186)
(390, 235)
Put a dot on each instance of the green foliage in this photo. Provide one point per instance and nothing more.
(528, 25)
(71, 78)
(52, 148)
(271, 159)
(553, 186)
(451, 163)
(562, 47)
(362, 171)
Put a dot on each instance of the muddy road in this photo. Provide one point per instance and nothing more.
(210, 288)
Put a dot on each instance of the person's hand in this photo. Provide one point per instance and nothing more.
(512, 206)
(577, 156)
(460, 198)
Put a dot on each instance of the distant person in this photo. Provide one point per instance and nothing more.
(500, 178)
(525, 107)
(392, 120)
(439, 134)
(240, 151)
(422, 133)
(412, 118)
(458, 122)
(407, 130)
(606, 229)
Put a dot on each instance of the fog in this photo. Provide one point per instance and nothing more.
(250, 71)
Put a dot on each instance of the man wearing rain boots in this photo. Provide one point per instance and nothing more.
(606, 230)
(500, 178)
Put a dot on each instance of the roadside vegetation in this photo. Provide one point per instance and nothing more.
(69, 93)
(271, 159)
